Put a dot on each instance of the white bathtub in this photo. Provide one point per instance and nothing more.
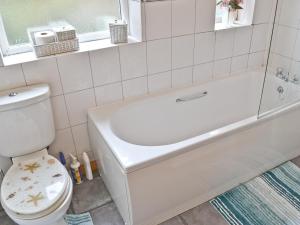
(162, 155)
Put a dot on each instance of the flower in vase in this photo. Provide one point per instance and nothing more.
(231, 4)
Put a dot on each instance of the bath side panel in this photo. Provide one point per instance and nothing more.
(113, 177)
(170, 187)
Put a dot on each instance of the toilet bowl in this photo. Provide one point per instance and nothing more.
(37, 189)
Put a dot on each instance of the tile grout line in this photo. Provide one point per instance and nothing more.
(250, 46)
(24, 77)
(182, 220)
(214, 55)
(92, 76)
(194, 47)
(121, 73)
(146, 42)
(208, 31)
(102, 206)
(232, 52)
(67, 110)
(172, 42)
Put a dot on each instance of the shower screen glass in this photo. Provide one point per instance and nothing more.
(282, 79)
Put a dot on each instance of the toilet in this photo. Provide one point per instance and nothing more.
(37, 189)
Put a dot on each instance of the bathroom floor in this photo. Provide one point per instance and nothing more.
(93, 197)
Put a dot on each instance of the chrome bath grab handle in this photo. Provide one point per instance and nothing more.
(192, 97)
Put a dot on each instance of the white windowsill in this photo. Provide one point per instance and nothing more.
(84, 47)
(222, 26)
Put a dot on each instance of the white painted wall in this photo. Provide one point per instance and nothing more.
(181, 48)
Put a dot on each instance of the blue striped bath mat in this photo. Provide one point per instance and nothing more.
(271, 199)
(80, 219)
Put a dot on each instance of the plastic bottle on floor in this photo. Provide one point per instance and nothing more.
(75, 170)
(87, 166)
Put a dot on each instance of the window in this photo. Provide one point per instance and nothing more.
(219, 13)
(89, 17)
(233, 13)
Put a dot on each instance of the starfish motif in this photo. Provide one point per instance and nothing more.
(12, 195)
(32, 167)
(25, 178)
(35, 198)
(57, 175)
(51, 161)
(29, 188)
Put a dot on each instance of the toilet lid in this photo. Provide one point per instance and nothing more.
(34, 185)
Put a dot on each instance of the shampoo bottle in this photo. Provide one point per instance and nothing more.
(87, 166)
(75, 171)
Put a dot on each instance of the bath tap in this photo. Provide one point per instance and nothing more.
(280, 74)
(280, 90)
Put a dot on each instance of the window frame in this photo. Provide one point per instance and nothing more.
(7, 50)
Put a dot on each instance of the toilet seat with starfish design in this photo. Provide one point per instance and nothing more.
(34, 184)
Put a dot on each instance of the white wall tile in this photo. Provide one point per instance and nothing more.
(256, 60)
(109, 93)
(285, 41)
(289, 14)
(295, 70)
(135, 87)
(158, 19)
(224, 44)
(222, 68)
(182, 77)
(183, 17)
(11, 77)
(182, 51)
(61, 119)
(205, 15)
(203, 72)
(278, 11)
(105, 66)
(43, 71)
(78, 104)
(276, 61)
(133, 60)
(297, 48)
(160, 81)
(242, 41)
(259, 37)
(239, 64)
(75, 72)
(204, 47)
(274, 38)
(262, 11)
(81, 138)
(159, 55)
(63, 143)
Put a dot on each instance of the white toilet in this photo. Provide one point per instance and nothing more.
(37, 189)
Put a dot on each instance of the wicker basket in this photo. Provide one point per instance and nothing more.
(56, 48)
(118, 32)
(52, 48)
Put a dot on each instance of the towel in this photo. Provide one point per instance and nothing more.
(80, 219)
